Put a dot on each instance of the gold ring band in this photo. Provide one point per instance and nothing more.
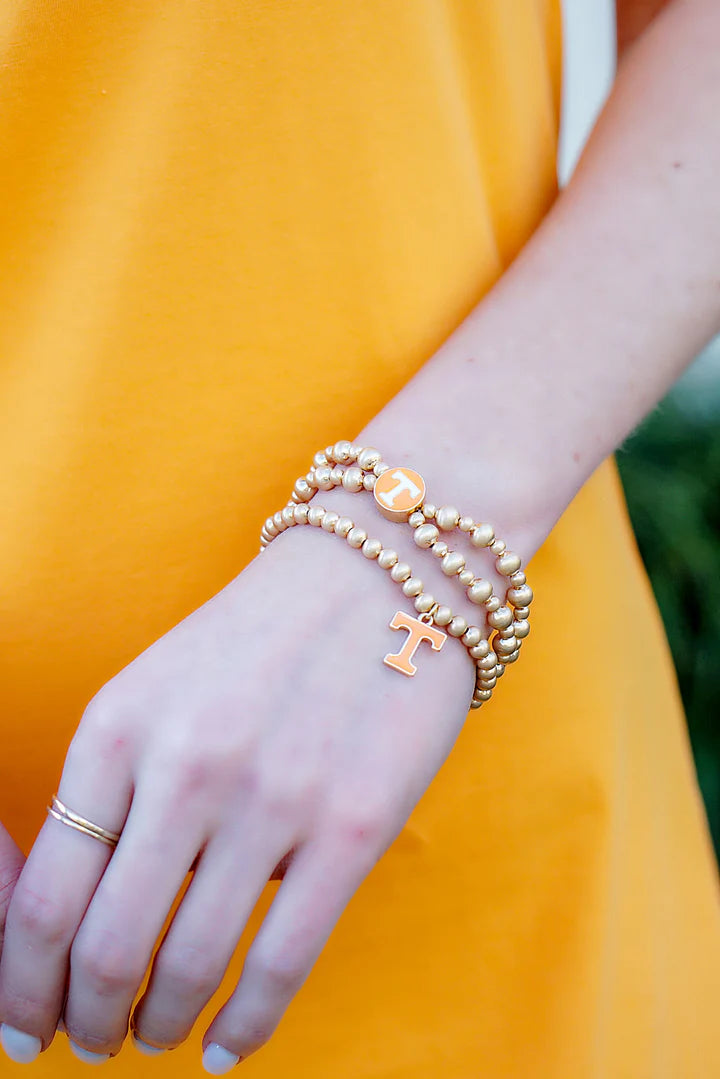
(61, 813)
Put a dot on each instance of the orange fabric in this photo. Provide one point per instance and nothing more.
(236, 229)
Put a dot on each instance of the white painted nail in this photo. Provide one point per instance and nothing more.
(21, 1047)
(86, 1055)
(218, 1060)
(143, 1047)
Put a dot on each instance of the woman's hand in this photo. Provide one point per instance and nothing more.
(263, 725)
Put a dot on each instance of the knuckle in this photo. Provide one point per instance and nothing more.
(282, 971)
(38, 916)
(102, 730)
(109, 968)
(189, 972)
(360, 827)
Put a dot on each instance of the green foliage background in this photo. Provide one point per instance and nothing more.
(671, 473)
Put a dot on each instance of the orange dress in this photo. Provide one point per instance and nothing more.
(205, 206)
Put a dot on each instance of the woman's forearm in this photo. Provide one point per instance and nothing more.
(604, 307)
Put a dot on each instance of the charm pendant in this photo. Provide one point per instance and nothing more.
(398, 492)
(418, 631)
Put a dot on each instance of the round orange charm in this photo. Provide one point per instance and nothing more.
(398, 492)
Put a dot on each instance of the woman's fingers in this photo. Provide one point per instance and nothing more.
(53, 891)
(321, 879)
(113, 946)
(200, 942)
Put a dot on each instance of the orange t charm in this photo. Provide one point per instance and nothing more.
(418, 631)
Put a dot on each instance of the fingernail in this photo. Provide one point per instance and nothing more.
(143, 1047)
(218, 1060)
(21, 1047)
(86, 1055)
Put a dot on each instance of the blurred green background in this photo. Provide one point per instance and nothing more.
(670, 469)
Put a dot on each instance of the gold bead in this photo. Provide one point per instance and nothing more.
(301, 513)
(458, 626)
(342, 451)
(522, 612)
(368, 458)
(518, 578)
(479, 591)
(343, 526)
(369, 481)
(302, 490)
(416, 519)
(452, 563)
(501, 618)
(492, 604)
(482, 535)
(466, 577)
(322, 478)
(480, 650)
(425, 535)
(443, 616)
(522, 596)
(497, 548)
(315, 515)
(440, 548)
(487, 662)
(504, 647)
(387, 558)
(472, 636)
(329, 521)
(428, 510)
(356, 537)
(447, 518)
(353, 479)
(508, 563)
(412, 587)
(400, 572)
(371, 548)
(423, 602)
(466, 524)
(521, 627)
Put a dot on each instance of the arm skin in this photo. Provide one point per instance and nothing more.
(609, 301)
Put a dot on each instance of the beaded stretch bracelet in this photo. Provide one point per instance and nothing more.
(431, 613)
(400, 497)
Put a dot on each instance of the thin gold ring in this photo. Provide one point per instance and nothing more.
(61, 813)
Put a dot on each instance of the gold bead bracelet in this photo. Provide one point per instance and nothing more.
(431, 613)
(400, 497)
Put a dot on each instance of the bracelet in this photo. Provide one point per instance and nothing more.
(400, 496)
(431, 613)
